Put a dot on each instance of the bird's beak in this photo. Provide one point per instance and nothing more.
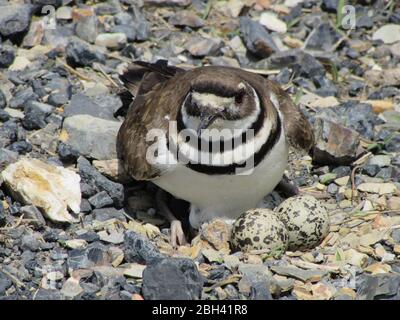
(205, 122)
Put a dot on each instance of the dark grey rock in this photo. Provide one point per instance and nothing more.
(325, 87)
(341, 171)
(323, 38)
(355, 87)
(357, 116)
(34, 119)
(98, 106)
(85, 206)
(370, 169)
(32, 213)
(256, 38)
(81, 54)
(396, 235)
(383, 93)
(91, 136)
(66, 152)
(104, 214)
(303, 64)
(54, 3)
(30, 242)
(380, 286)
(48, 294)
(172, 279)
(87, 190)
(100, 200)
(388, 174)
(3, 100)
(5, 283)
(7, 56)
(14, 21)
(260, 291)
(332, 188)
(3, 219)
(7, 157)
(329, 5)
(107, 8)
(139, 249)
(91, 176)
(140, 24)
(21, 147)
(22, 97)
(335, 144)
(4, 116)
(89, 236)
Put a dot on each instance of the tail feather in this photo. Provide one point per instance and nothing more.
(141, 76)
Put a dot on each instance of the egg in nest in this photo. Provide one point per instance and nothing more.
(259, 229)
(306, 220)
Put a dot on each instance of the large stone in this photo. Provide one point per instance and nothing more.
(389, 33)
(324, 37)
(96, 106)
(139, 249)
(302, 63)
(380, 286)
(15, 20)
(99, 182)
(90, 136)
(50, 188)
(357, 116)
(335, 144)
(81, 54)
(172, 279)
(256, 38)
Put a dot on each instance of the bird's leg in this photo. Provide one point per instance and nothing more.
(177, 234)
(287, 188)
(290, 190)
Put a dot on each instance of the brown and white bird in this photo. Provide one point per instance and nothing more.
(209, 97)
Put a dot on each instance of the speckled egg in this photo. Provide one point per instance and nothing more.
(306, 220)
(259, 229)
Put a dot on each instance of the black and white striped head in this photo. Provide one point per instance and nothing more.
(220, 104)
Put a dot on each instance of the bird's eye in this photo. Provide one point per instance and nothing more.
(239, 97)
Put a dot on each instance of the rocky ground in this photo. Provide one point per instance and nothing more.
(60, 103)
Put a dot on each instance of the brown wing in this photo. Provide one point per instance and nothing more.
(157, 100)
(298, 130)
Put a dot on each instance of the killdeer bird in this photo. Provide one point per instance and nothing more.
(169, 99)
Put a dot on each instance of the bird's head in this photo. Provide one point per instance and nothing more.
(219, 104)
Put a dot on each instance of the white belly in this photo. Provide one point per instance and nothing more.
(226, 196)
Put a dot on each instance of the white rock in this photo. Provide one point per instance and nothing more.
(389, 33)
(53, 189)
(272, 22)
(20, 63)
(380, 160)
(64, 13)
(134, 270)
(111, 40)
(71, 288)
(381, 188)
(15, 113)
(76, 244)
(292, 3)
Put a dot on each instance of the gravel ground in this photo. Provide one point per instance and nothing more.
(60, 96)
